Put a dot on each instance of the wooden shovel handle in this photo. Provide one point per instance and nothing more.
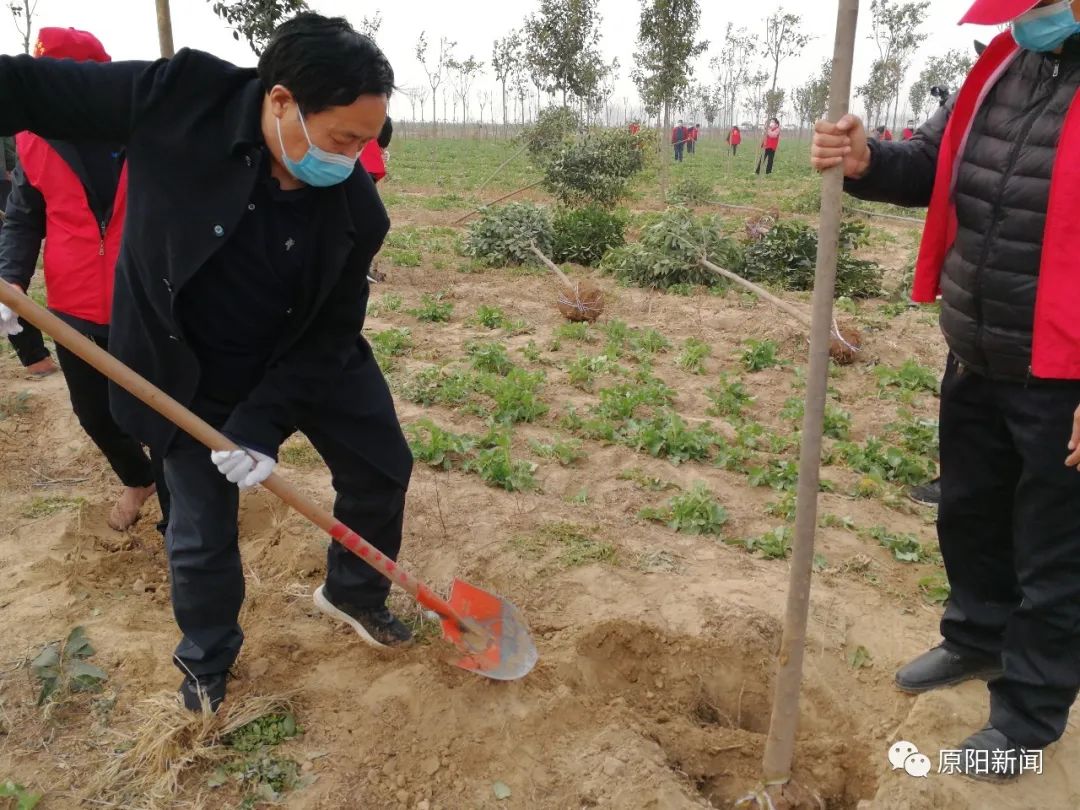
(202, 432)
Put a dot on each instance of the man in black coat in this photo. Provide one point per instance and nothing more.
(241, 291)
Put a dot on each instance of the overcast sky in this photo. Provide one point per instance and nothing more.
(128, 30)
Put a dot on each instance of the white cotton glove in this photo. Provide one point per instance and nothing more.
(9, 322)
(245, 468)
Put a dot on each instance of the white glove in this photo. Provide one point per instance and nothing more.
(9, 322)
(245, 468)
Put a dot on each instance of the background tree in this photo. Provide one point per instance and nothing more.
(919, 98)
(811, 100)
(563, 44)
(463, 73)
(667, 43)
(435, 71)
(754, 100)
(709, 99)
(164, 27)
(519, 81)
(896, 33)
(783, 39)
(877, 92)
(774, 102)
(255, 20)
(733, 65)
(22, 13)
(504, 61)
(369, 26)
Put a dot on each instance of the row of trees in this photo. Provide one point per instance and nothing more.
(555, 54)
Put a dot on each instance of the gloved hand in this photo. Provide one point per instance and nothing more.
(9, 322)
(245, 468)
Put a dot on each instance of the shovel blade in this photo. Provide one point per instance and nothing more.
(497, 644)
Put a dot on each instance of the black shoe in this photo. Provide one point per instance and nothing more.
(943, 667)
(194, 689)
(1002, 761)
(377, 626)
(927, 494)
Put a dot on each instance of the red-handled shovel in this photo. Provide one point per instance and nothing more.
(489, 632)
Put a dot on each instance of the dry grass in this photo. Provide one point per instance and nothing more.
(150, 763)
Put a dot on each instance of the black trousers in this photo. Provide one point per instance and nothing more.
(202, 537)
(768, 158)
(29, 344)
(89, 393)
(679, 151)
(734, 149)
(690, 147)
(1009, 528)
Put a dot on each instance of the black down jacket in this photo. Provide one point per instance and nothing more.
(990, 276)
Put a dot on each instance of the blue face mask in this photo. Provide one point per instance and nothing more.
(1045, 29)
(317, 167)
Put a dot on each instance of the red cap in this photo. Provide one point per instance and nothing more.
(70, 43)
(996, 12)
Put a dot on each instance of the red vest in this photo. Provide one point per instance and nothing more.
(80, 261)
(372, 162)
(1055, 352)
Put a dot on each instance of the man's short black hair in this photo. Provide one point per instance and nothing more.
(324, 62)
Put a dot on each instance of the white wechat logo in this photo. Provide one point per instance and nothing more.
(905, 756)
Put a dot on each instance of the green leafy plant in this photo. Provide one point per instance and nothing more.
(490, 317)
(837, 420)
(440, 386)
(554, 127)
(43, 506)
(579, 332)
(433, 309)
(666, 435)
(489, 357)
(786, 256)
(516, 396)
(918, 436)
(670, 250)
(779, 475)
(772, 545)
(594, 169)
(910, 377)
(437, 447)
(761, 354)
(693, 512)
(905, 548)
(60, 669)
(15, 404)
(390, 343)
(860, 658)
(784, 507)
(502, 237)
(584, 235)
(262, 732)
(729, 398)
(692, 357)
(24, 799)
(647, 482)
(649, 341)
(621, 401)
(584, 369)
(496, 467)
(565, 451)
(885, 462)
(935, 588)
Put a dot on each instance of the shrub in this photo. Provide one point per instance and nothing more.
(596, 168)
(787, 256)
(553, 128)
(584, 235)
(692, 190)
(670, 251)
(502, 237)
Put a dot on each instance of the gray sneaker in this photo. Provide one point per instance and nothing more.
(927, 494)
(376, 626)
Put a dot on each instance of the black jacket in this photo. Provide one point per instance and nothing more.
(991, 273)
(191, 126)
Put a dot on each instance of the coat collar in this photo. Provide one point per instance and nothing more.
(243, 119)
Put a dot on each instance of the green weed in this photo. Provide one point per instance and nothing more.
(566, 452)
(63, 669)
(433, 309)
(437, 447)
(666, 435)
(489, 357)
(692, 357)
(24, 799)
(910, 377)
(496, 467)
(299, 452)
(905, 548)
(47, 506)
(694, 512)
(729, 399)
(516, 396)
(760, 355)
(772, 545)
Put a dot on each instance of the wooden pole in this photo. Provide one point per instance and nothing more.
(164, 27)
(461, 219)
(505, 163)
(760, 292)
(783, 725)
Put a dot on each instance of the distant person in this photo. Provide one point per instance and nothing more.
(734, 138)
(691, 138)
(73, 195)
(635, 127)
(373, 155)
(678, 140)
(909, 131)
(29, 344)
(770, 142)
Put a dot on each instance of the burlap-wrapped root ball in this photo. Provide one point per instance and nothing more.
(582, 301)
(844, 347)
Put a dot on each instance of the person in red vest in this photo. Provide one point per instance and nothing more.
(998, 248)
(734, 138)
(909, 131)
(635, 128)
(73, 196)
(691, 138)
(770, 142)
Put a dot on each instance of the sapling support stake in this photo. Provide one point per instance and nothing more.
(513, 193)
(783, 725)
